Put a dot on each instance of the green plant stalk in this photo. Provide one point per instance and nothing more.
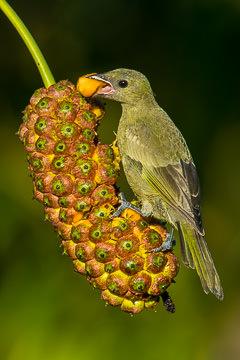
(31, 44)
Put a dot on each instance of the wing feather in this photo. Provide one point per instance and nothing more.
(167, 169)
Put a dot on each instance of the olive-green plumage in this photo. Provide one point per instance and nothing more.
(159, 168)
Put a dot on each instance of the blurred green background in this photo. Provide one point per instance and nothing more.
(189, 50)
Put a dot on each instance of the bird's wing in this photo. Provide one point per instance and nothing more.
(173, 177)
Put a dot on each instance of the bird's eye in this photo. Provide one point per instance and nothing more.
(123, 83)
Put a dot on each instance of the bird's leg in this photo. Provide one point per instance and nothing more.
(127, 205)
(168, 243)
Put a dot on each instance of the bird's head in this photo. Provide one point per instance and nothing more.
(123, 85)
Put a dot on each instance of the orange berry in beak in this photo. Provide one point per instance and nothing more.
(88, 87)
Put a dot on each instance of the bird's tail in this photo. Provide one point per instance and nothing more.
(195, 254)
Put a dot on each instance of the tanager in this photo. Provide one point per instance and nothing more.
(159, 167)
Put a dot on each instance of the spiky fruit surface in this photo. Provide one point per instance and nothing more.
(74, 176)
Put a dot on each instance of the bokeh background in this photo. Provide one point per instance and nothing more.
(189, 50)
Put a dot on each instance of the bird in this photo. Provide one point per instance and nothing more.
(159, 168)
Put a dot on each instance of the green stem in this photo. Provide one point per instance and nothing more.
(31, 44)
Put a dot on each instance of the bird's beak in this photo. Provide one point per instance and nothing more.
(94, 85)
(106, 87)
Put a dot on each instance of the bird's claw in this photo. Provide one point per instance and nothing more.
(127, 205)
(168, 243)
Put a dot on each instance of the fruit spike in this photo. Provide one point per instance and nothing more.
(74, 176)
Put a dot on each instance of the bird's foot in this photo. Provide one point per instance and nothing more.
(127, 205)
(168, 243)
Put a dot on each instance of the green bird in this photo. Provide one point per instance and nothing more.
(159, 168)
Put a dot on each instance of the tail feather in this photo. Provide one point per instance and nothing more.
(195, 254)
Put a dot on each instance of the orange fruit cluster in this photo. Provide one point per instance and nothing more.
(74, 177)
